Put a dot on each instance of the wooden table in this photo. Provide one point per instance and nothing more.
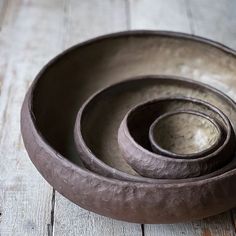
(34, 31)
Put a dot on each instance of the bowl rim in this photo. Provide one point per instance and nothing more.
(133, 33)
(159, 149)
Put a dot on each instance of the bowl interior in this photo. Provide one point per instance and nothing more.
(185, 133)
(68, 82)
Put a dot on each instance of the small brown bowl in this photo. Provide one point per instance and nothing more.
(185, 134)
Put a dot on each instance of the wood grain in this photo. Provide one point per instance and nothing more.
(86, 20)
(159, 15)
(214, 19)
(3, 7)
(29, 38)
(92, 18)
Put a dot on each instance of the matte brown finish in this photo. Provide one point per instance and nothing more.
(185, 134)
(134, 129)
(52, 102)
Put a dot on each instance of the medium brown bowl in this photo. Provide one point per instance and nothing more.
(134, 143)
(93, 134)
(65, 83)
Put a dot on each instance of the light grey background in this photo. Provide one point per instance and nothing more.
(34, 31)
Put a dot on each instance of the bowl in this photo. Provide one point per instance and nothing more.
(185, 134)
(110, 120)
(66, 82)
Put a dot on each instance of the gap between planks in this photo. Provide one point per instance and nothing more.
(101, 18)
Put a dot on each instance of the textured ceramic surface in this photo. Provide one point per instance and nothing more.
(132, 128)
(185, 134)
(61, 88)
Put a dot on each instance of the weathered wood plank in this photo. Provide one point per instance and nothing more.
(197, 17)
(86, 19)
(214, 226)
(73, 220)
(159, 15)
(3, 6)
(214, 19)
(29, 37)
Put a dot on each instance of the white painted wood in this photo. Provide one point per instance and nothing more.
(214, 226)
(3, 5)
(159, 15)
(84, 20)
(214, 19)
(73, 220)
(88, 19)
(29, 37)
(199, 17)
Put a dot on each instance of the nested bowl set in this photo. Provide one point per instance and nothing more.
(138, 126)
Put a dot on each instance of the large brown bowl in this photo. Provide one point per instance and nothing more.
(65, 83)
